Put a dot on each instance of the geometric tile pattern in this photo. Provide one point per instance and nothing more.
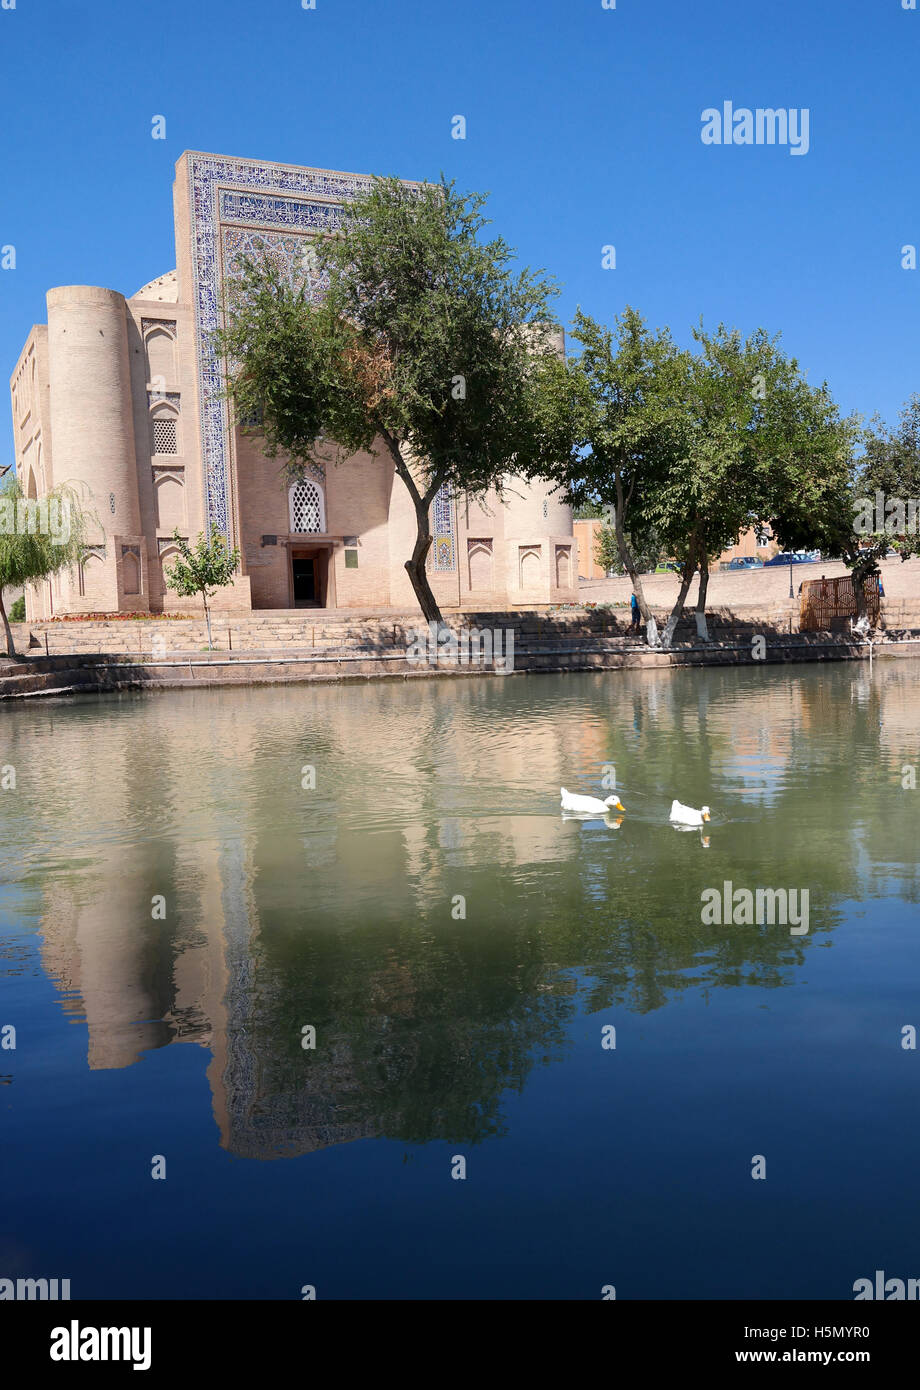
(241, 207)
(444, 549)
(265, 197)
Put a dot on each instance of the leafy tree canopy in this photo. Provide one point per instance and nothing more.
(427, 338)
(39, 537)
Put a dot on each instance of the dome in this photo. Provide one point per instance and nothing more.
(165, 288)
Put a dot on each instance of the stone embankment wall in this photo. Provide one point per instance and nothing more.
(111, 655)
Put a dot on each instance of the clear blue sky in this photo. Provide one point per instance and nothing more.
(582, 123)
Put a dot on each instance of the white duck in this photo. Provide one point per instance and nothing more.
(686, 815)
(586, 804)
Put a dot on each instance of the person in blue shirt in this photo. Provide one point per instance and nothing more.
(634, 611)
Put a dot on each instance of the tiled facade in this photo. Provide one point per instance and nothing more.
(123, 396)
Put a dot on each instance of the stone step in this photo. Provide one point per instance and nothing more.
(43, 683)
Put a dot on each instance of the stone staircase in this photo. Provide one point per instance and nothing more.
(323, 630)
(280, 631)
(19, 678)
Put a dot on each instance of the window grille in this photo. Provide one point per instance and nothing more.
(164, 436)
(306, 508)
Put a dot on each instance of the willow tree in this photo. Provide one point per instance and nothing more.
(39, 537)
(424, 344)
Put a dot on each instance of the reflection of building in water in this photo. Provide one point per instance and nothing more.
(262, 1109)
(332, 907)
(200, 809)
(141, 986)
(96, 954)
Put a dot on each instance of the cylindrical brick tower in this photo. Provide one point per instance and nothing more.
(92, 416)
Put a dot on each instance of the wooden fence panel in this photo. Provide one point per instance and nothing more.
(830, 603)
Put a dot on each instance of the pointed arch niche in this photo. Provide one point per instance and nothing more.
(160, 349)
(479, 558)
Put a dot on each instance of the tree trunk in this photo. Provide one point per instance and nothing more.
(415, 568)
(10, 644)
(207, 618)
(418, 574)
(629, 564)
(702, 631)
(686, 578)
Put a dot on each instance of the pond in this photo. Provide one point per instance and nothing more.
(314, 987)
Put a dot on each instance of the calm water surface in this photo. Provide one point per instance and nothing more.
(177, 906)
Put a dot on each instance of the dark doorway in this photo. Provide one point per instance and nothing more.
(304, 580)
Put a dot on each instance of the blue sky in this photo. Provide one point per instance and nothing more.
(582, 123)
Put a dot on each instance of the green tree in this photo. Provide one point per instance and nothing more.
(426, 341)
(39, 537)
(704, 498)
(203, 570)
(753, 435)
(814, 502)
(891, 459)
(887, 486)
(607, 551)
(613, 426)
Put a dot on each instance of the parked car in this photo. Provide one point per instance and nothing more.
(670, 567)
(744, 562)
(795, 557)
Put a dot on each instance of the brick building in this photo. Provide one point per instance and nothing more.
(124, 396)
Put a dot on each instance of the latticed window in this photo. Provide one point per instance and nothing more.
(306, 507)
(164, 435)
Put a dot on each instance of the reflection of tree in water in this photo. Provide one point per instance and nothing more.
(429, 1027)
(422, 1021)
(437, 1019)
